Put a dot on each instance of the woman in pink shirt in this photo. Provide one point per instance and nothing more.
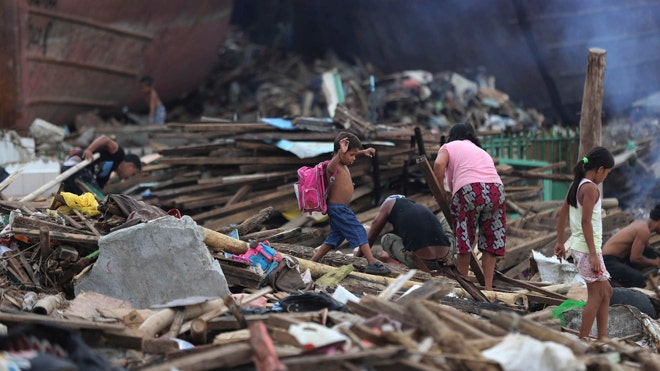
(477, 200)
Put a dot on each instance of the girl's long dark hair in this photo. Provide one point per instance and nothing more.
(463, 132)
(597, 157)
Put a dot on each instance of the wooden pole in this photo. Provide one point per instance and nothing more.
(57, 235)
(60, 178)
(198, 331)
(424, 165)
(319, 269)
(44, 242)
(164, 319)
(512, 298)
(218, 241)
(592, 101)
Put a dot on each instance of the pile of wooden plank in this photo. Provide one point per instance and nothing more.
(234, 177)
(49, 250)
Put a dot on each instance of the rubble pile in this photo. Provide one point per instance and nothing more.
(69, 268)
(201, 261)
(253, 81)
(61, 263)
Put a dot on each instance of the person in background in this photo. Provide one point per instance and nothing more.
(416, 230)
(156, 108)
(344, 225)
(477, 199)
(627, 251)
(582, 208)
(97, 173)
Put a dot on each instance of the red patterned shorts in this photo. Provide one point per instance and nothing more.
(480, 206)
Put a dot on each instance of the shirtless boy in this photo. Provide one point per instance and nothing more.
(157, 111)
(343, 222)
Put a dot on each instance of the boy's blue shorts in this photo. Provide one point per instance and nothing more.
(344, 226)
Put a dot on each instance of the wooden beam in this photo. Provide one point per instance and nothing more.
(60, 178)
(216, 357)
(59, 236)
(44, 242)
(592, 101)
(232, 127)
(434, 186)
(243, 205)
(274, 160)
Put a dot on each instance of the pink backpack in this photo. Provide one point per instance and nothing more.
(311, 188)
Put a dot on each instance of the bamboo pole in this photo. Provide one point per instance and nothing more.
(218, 241)
(60, 178)
(512, 298)
(318, 269)
(222, 242)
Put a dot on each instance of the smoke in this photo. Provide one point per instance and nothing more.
(628, 31)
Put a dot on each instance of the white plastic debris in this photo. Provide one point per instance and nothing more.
(314, 335)
(537, 355)
(551, 270)
(343, 296)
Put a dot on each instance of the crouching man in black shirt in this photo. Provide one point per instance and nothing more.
(97, 174)
(416, 230)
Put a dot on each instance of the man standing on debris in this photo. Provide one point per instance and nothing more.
(417, 231)
(627, 251)
(97, 174)
(477, 199)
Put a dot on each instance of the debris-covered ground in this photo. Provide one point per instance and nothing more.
(174, 268)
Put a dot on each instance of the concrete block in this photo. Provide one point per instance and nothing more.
(624, 320)
(154, 263)
(14, 148)
(34, 174)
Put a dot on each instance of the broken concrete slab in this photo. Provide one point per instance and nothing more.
(154, 263)
(47, 135)
(624, 321)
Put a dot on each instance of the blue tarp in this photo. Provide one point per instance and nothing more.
(305, 149)
(279, 123)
